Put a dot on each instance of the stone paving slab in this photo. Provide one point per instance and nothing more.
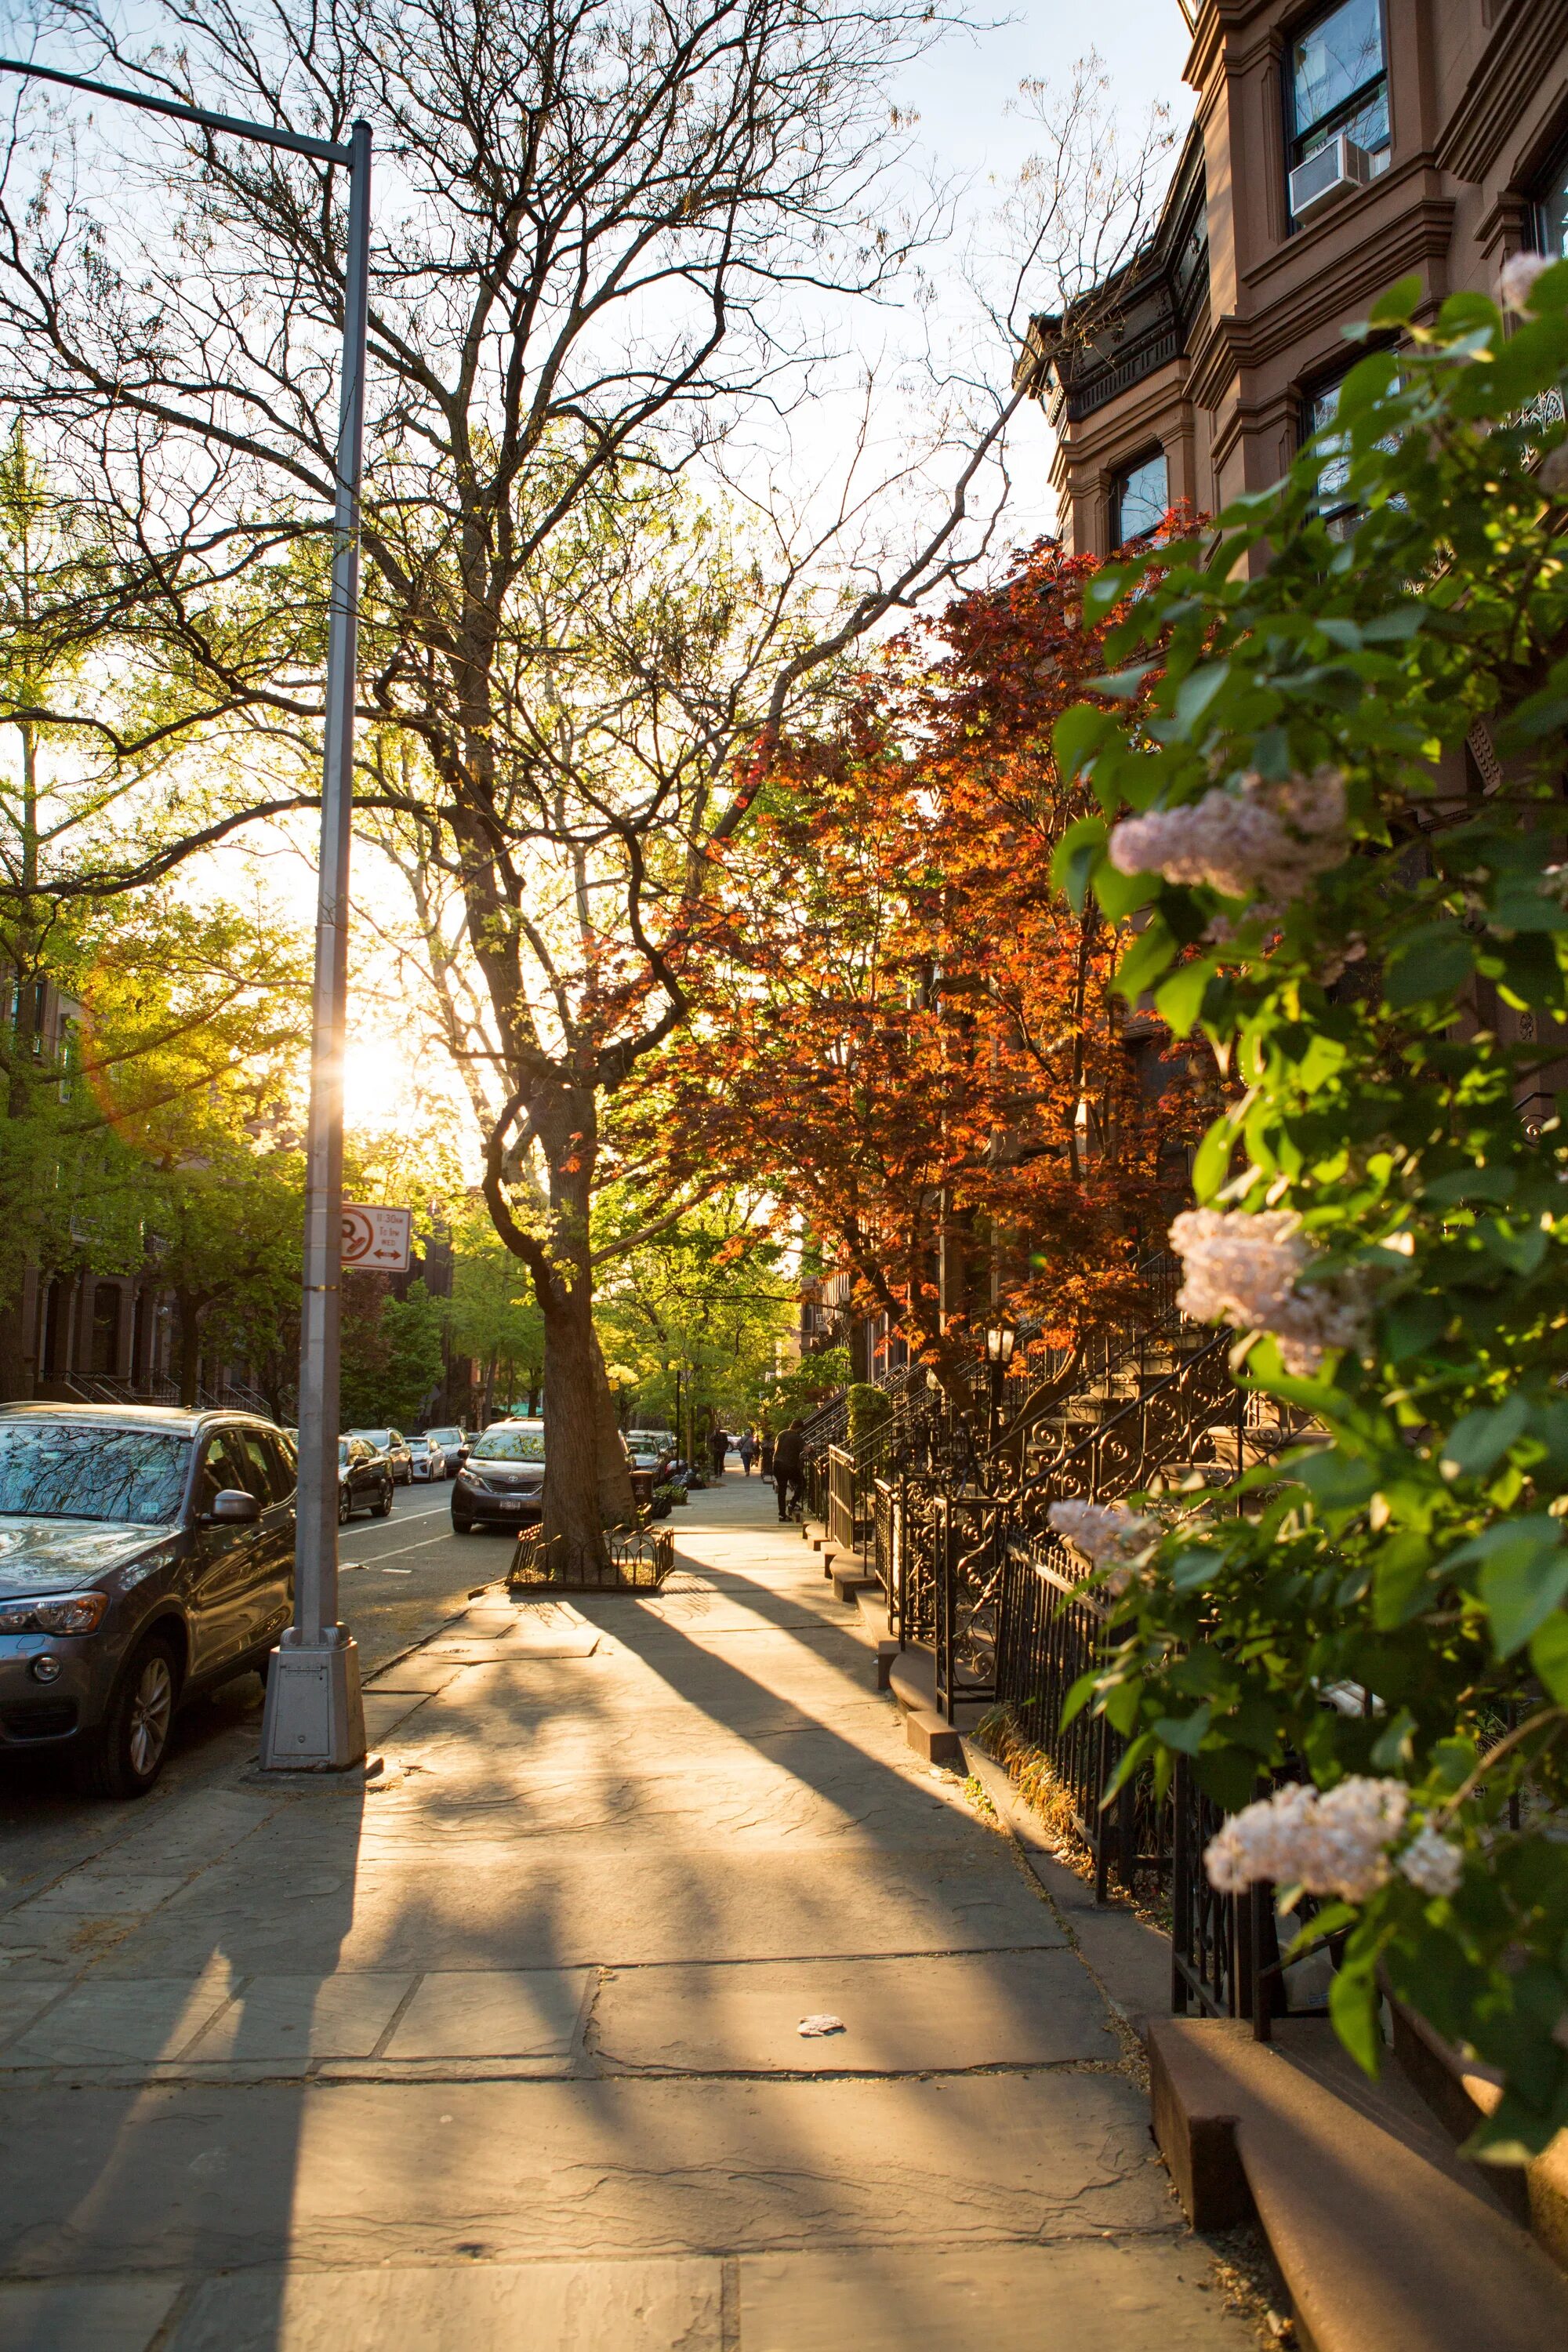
(276, 2018)
(493, 2013)
(197, 2179)
(991, 2009)
(627, 2306)
(1126, 2296)
(85, 2315)
(106, 2024)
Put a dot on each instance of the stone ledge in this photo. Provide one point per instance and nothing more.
(1383, 2243)
(932, 1738)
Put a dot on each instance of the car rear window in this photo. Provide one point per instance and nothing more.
(510, 1446)
(77, 1470)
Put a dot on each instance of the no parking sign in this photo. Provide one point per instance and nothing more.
(376, 1240)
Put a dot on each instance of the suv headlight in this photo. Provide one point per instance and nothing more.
(57, 1612)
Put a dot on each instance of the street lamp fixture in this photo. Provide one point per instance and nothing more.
(1000, 1341)
(314, 1720)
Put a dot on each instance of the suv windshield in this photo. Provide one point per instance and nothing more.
(445, 1437)
(380, 1438)
(72, 1470)
(510, 1446)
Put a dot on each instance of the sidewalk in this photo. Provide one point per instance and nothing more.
(499, 2049)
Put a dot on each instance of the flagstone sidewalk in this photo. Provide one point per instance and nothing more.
(501, 2048)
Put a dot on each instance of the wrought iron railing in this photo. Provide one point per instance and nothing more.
(1226, 1952)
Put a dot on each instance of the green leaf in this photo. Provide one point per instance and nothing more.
(1179, 1000)
(1435, 961)
(1524, 1576)
(1400, 304)
(1336, 1481)
(1121, 685)
(1078, 736)
(1150, 952)
(1549, 1654)
(1353, 2002)
(1482, 1438)
(1185, 1733)
(1196, 691)
(1078, 1698)
(1077, 854)
(1121, 894)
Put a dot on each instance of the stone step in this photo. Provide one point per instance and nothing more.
(1386, 2240)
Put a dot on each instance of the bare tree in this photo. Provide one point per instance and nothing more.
(606, 230)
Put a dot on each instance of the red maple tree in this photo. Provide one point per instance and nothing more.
(903, 1028)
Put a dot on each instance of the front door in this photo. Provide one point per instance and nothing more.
(268, 1601)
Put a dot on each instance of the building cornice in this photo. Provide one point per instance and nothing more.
(1418, 238)
(1525, 53)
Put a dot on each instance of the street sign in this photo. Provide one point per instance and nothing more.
(376, 1240)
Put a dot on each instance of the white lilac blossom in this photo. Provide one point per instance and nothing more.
(1267, 840)
(1432, 1863)
(1244, 1269)
(1109, 1534)
(1333, 1845)
(1516, 281)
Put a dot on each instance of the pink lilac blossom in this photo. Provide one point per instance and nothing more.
(1517, 279)
(1244, 1269)
(1432, 1862)
(1266, 840)
(1109, 1534)
(1333, 1845)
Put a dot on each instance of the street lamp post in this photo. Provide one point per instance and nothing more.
(313, 1719)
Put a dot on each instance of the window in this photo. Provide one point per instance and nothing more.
(87, 1470)
(1140, 497)
(224, 1470)
(1337, 80)
(1335, 505)
(1552, 211)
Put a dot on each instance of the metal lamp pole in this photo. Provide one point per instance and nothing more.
(313, 1719)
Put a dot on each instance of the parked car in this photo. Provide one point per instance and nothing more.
(454, 1443)
(649, 1449)
(428, 1458)
(364, 1479)
(501, 1484)
(395, 1446)
(146, 1555)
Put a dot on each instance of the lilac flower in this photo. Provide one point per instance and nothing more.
(1333, 1845)
(1432, 1862)
(1244, 1269)
(1109, 1534)
(1266, 840)
(1517, 279)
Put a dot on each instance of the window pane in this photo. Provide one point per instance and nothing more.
(1334, 58)
(71, 1470)
(1142, 496)
(1553, 207)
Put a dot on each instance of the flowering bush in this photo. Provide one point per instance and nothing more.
(1329, 772)
(1109, 1535)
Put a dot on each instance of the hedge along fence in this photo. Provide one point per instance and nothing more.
(870, 1409)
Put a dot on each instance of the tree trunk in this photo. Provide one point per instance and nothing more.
(573, 1514)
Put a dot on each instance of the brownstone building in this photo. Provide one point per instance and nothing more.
(1334, 149)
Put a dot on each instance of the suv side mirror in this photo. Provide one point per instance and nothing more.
(234, 1507)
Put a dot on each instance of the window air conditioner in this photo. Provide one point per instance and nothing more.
(1326, 176)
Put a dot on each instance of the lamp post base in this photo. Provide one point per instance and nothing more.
(314, 1718)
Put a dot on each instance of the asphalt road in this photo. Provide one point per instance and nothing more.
(402, 1576)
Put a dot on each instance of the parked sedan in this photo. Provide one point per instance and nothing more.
(394, 1446)
(501, 1484)
(428, 1459)
(454, 1443)
(364, 1479)
(145, 1555)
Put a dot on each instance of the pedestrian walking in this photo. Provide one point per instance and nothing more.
(789, 1468)
(746, 1447)
(767, 1453)
(718, 1449)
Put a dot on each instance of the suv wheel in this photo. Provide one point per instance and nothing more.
(346, 1506)
(128, 1751)
(382, 1508)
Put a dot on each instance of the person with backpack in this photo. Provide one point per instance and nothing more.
(789, 1468)
(746, 1447)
